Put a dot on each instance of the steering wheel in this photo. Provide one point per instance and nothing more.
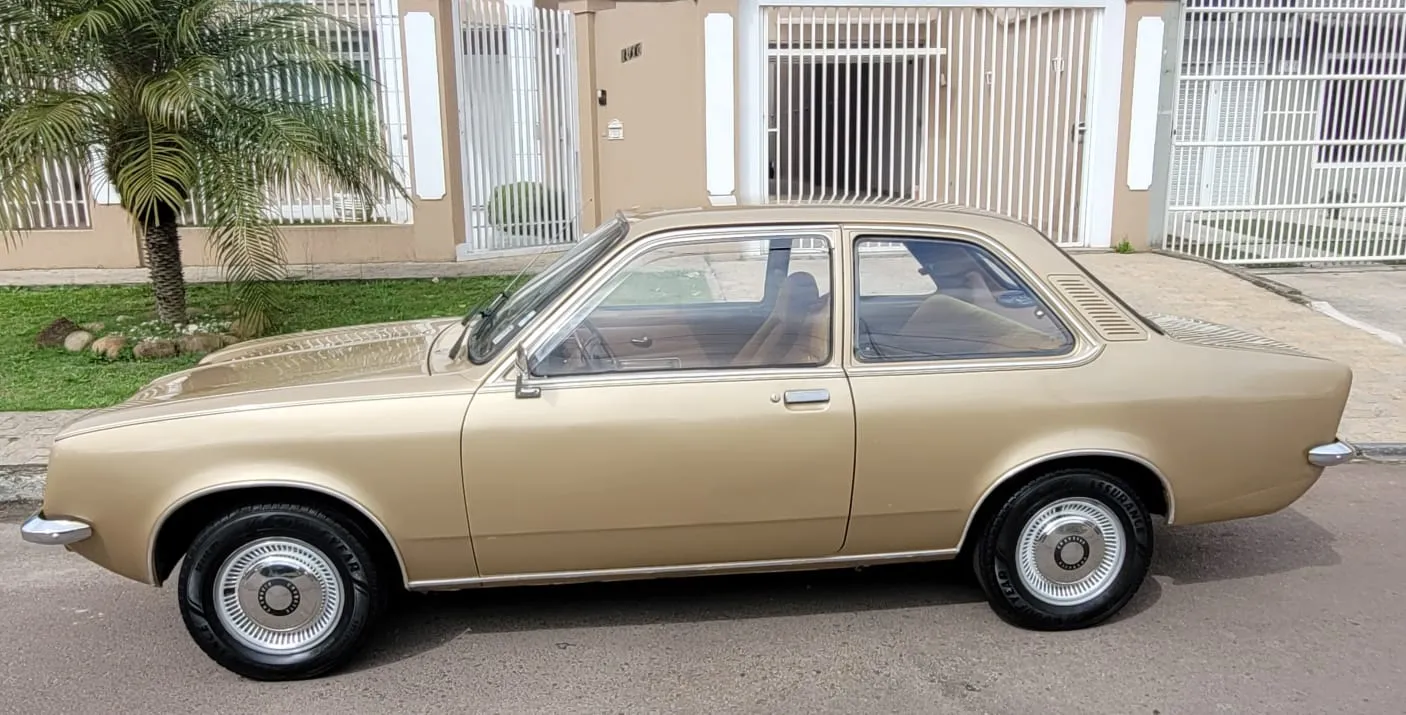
(592, 349)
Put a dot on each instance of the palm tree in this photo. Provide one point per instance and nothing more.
(185, 103)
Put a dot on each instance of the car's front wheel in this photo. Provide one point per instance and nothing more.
(1066, 551)
(280, 591)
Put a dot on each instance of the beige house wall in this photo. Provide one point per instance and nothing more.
(658, 98)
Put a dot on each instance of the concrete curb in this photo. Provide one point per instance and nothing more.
(22, 485)
(1280, 289)
(22, 482)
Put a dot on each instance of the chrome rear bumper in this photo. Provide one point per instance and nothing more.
(1331, 454)
(53, 532)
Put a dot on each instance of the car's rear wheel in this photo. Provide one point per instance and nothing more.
(280, 591)
(1066, 551)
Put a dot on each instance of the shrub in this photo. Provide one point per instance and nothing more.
(529, 208)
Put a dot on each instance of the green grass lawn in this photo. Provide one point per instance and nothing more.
(45, 379)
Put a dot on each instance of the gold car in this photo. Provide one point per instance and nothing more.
(697, 392)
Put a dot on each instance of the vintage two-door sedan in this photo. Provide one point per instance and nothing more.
(697, 392)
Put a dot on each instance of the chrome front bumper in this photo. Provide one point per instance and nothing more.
(53, 532)
(1332, 454)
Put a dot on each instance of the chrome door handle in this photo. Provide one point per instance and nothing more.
(643, 342)
(801, 397)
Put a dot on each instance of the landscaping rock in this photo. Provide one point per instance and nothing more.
(78, 341)
(200, 343)
(154, 348)
(53, 334)
(94, 328)
(109, 346)
(228, 339)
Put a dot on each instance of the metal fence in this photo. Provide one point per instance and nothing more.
(519, 124)
(975, 106)
(1290, 132)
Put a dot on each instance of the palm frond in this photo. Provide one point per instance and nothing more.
(242, 238)
(153, 173)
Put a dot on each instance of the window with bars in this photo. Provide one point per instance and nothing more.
(1362, 117)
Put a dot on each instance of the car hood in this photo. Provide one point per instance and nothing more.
(301, 360)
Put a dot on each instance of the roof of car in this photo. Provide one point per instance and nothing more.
(881, 211)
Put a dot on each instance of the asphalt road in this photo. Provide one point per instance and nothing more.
(1299, 612)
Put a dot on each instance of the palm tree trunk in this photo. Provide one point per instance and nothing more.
(163, 257)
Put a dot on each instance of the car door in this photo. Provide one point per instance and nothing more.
(687, 407)
(957, 362)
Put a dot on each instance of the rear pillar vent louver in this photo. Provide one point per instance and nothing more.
(1107, 318)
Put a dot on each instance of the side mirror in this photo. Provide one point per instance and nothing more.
(524, 388)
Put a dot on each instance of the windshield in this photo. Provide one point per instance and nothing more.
(489, 335)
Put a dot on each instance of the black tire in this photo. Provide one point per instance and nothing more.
(994, 559)
(345, 549)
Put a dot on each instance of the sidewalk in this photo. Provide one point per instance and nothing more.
(1376, 411)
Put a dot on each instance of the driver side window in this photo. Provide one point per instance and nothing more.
(716, 304)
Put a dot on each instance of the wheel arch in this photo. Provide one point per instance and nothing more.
(1142, 475)
(178, 525)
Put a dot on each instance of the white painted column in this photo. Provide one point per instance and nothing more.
(751, 180)
(426, 127)
(1147, 83)
(1101, 137)
(720, 109)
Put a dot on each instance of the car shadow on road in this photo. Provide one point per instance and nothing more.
(418, 623)
(1278, 543)
(421, 622)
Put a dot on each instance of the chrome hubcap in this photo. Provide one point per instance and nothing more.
(1070, 552)
(279, 595)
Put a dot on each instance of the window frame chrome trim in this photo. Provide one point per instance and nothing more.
(503, 375)
(1086, 348)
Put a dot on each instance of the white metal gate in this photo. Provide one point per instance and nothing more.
(519, 124)
(977, 106)
(1289, 143)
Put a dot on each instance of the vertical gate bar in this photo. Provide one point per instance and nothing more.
(904, 160)
(1367, 181)
(956, 92)
(774, 107)
(1274, 164)
(1335, 58)
(1022, 181)
(549, 113)
(1065, 126)
(1042, 122)
(1058, 72)
(995, 174)
(793, 77)
(848, 138)
(1075, 182)
(1029, 119)
(984, 84)
(1392, 240)
(823, 106)
(935, 40)
(483, 41)
(499, 137)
